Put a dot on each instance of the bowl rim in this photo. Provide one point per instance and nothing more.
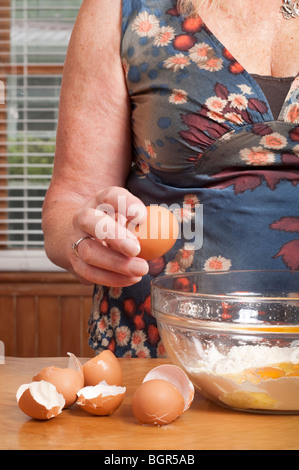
(238, 295)
(242, 328)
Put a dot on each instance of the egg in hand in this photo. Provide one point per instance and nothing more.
(157, 234)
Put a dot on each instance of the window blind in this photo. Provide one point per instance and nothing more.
(34, 35)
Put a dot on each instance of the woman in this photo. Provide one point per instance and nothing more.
(202, 97)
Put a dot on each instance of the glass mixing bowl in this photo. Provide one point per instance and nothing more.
(236, 335)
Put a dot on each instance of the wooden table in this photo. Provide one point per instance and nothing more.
(204, 426)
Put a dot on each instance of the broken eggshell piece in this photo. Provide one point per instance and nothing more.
(40, 400)
(67, 381)
(177, 377)
(101, 399)
(104, 366)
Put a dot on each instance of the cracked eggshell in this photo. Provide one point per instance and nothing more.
(177, 377)
(40, 400)
(101, 399)
(104, 366)
(67, 381)
(157, 402)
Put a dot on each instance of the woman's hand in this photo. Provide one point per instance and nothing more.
(109, 257)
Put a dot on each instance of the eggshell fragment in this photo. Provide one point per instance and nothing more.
(157, 402)
(40, 400)
(177, 377)
(101, 399)
(157, 234)
(67, 381)
(104, 366)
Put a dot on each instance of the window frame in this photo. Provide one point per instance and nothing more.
(18, 259)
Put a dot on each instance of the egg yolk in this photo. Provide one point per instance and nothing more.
(256, 375)
(290, 370)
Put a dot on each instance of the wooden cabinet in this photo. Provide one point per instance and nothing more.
(44, 314)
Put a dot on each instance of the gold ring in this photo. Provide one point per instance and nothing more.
(75, 245)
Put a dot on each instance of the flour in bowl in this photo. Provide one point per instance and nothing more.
(240, 358)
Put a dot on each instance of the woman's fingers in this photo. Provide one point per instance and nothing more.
(99, 264)
(121, 202)
(104, 228)
(105, 216)
(94, 253)
(91, 275)
(109, 258)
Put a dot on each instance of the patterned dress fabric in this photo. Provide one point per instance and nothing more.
(203, 136)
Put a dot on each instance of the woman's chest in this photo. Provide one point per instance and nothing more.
(262, 45)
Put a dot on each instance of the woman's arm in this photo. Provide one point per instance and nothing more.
(93, 153)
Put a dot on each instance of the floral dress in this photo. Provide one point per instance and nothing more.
(204, 137)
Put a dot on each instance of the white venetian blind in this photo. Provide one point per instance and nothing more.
(34, 35)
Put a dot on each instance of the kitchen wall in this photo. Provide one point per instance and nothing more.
(44, 315)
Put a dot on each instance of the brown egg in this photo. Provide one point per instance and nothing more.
(104, 366)
(157, 234)
(40, 400)
(102, 399)
(177, 377)
(157, 402)
(67, 381)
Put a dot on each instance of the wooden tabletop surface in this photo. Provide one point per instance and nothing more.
(204, 426)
